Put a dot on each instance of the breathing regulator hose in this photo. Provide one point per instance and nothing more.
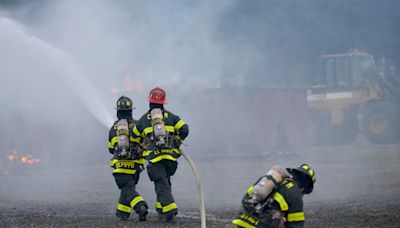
(197, 178)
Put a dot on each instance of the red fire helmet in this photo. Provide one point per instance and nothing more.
(157, 95)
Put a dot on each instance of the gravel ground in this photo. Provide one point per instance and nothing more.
(344, 214)
(357, 186)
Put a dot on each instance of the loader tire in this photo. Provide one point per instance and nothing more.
(381, 122)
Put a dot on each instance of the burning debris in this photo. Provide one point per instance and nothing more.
(27, 159)
(13, 155)
(129, 85)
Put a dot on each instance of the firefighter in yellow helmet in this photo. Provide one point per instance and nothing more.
(127, 162)
(276, 199)
(161, 133)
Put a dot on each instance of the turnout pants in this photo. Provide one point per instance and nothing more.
(129, 198)
(160, 173)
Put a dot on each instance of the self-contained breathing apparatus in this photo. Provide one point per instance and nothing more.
(160, 136)
(260, 202)
(123, 149)
(261, 197)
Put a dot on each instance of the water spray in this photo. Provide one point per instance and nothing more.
(78, 83)
(198, 184)
(61, 61)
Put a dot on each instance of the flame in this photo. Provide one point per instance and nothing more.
(13, 155)
(139, 86)
(129, 84)
(114, 90)
(28, 159)
(24, 159)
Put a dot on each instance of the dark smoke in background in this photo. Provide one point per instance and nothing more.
(186, 47)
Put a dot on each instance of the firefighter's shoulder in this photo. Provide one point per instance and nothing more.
(289, 189)
(114, 126)
(288, 184)
(169, 114)
(290, 192)
(132, 123)
(144, 118)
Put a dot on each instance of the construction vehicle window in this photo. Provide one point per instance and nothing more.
(338, 72)
(330, 72)
(361, 68)
(343, 69)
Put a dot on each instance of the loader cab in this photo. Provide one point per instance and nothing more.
(353, 96)
(347, 70)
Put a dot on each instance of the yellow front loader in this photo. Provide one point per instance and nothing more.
(353, 95)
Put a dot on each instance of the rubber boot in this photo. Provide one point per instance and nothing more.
(142, 213)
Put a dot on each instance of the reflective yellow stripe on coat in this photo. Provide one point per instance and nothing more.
(241, 223)
(282, 202)
(111, 144)
(250, 190)
(126, 171)
(179, 124)
(161, 157)
(146, 131)
(296, 217)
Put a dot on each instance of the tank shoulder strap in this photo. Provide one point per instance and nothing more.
(132, 123)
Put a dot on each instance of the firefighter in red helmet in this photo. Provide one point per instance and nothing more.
(276, 199)
(127, 162)
(160, 132)
(157, 96)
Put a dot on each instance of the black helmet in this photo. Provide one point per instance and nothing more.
(124, 104)
(305, 176)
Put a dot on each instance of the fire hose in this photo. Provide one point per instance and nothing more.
(197, 178)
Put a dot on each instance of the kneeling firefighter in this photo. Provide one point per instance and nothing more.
(127, 162)
(276, 199)
(161, 133)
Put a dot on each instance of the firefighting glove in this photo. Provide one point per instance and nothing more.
(178, 143)
(141, 168)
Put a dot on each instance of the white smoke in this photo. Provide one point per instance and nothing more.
(23, 49)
